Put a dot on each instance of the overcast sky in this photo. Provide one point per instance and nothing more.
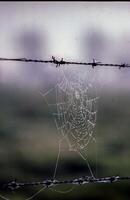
(72, 30)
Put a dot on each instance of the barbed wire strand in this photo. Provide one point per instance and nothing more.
(93, 64)
(14, 185)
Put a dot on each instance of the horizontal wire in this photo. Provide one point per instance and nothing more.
(13, 185)
(63, 62)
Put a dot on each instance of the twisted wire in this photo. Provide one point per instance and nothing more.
(58, 63)
(14, 185)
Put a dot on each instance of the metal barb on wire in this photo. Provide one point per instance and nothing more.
(14, 185)
(58, 63)
(95, 63)
(123, 65)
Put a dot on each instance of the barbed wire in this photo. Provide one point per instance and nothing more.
(14, 185)
(58, 63)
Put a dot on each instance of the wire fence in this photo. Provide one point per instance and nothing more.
(14, 185)
(58, 63)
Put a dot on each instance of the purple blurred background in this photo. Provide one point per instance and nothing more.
(78, 31)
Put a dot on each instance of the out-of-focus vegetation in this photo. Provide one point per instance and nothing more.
(29, 145)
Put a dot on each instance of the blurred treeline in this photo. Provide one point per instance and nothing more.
(29, 144)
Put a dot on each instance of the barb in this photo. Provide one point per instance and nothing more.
(58, 63)
(14, 185)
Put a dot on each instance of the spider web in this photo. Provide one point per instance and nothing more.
(75, 110)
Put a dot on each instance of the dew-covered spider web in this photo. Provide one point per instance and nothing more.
(74, 110)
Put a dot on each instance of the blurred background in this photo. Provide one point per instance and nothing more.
(76, 31)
